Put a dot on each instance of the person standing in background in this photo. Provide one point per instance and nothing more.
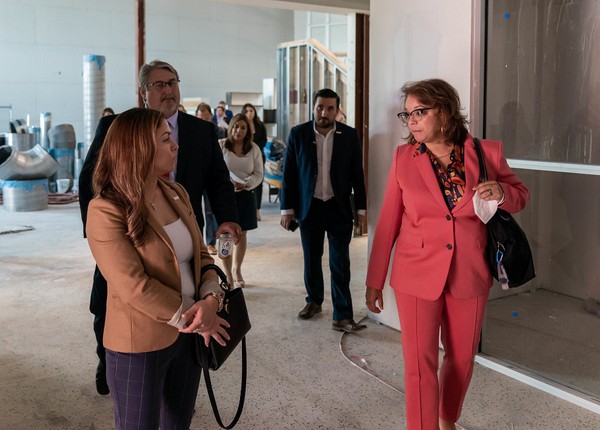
(440, 276)
(204, 111)
(322, 167)
(259, 136)
(244, 162)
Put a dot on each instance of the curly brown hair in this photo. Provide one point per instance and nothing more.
(439, 94)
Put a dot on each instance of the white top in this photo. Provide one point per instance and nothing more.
(323, 187)
(246, 169)
(184, 251)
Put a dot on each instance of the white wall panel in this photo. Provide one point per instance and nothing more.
(419, 40)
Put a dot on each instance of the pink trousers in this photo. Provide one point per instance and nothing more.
(421, 321)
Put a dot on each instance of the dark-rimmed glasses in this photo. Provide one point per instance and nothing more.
(418, 114)
(160, 85)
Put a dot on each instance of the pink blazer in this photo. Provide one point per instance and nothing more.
(434, 246)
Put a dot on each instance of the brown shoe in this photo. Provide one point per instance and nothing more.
(212, 250)
(348, 326)
(309, 311)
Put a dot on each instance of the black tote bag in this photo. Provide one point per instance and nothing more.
(507, 252)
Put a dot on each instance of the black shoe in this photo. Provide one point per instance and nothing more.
(309, 310)
(101, 385)
(592, 306)
(348, 326)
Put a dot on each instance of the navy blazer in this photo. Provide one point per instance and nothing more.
(200, 166)
(300, 170)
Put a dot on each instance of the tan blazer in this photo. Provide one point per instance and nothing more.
(144, 284)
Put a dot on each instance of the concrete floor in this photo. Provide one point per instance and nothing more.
(302, 374)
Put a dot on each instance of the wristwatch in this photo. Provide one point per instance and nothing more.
(220, 296)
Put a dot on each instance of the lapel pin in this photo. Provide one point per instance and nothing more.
(338, 132)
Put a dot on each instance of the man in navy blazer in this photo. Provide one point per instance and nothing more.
(200, 166)
(322, 167)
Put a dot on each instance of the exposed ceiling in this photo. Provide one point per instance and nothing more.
(328, 6)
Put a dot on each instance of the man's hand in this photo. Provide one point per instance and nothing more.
(232, 228)
(286, 220)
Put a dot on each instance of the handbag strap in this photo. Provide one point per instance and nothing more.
(211, 394)
(224, 284)
(205, 367)
(483, 176)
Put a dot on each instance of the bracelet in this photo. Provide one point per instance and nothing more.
(220, 299)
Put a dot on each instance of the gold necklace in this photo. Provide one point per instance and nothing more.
(153, 198)
(443, 156)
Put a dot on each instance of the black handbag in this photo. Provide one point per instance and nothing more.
(507, 251)
(212, 357)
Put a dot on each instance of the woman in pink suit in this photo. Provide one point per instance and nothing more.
(440, 276)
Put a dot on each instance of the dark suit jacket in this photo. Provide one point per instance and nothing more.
(300, 170)
(200, 166)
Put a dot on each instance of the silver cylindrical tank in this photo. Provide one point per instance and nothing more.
(20, 141)
(24, 196)
(94, 95)
(45, 124)
(62, 148)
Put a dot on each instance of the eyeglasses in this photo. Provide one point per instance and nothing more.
(418, 114)
(160, 85)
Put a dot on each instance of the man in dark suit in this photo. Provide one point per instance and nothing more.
(200, 166)
(323, 165)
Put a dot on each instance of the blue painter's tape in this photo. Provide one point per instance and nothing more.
(61, 152)
(28, 185)
(100, 59)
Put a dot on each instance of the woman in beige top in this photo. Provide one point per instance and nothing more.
(244, 161)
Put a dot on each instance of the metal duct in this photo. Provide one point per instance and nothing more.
(19, 141)
(94, 96)
(45, 124)
(35, 163)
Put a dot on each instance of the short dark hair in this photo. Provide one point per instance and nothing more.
(204, 106)
(326, 93)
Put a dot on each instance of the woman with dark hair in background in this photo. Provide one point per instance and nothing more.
(440, 276)
(259, 136)
(143, 234)
(245, 165)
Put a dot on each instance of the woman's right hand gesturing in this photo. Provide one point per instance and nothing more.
(202, 319)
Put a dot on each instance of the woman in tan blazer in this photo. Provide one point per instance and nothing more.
(439, 273)
(143, 234)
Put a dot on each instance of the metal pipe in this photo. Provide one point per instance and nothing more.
(35, 163)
